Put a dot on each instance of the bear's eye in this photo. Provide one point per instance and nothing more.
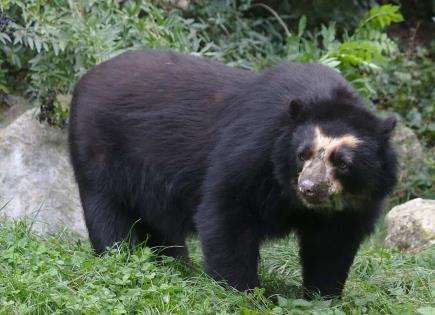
(304, 154)
(342, 165)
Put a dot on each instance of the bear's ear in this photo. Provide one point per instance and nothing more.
(388, 125)
(296, 110)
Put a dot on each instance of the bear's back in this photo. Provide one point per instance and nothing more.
(151, 80)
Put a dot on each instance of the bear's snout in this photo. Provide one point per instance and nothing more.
(313, 182)
(314, 192)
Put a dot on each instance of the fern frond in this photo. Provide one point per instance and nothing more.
(380, 16)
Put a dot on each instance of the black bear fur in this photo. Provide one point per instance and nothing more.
(165, 144)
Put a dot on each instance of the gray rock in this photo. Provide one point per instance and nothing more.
(409, 149)
(411, 161)
(411, 226)
(11, 108)
(36, 178)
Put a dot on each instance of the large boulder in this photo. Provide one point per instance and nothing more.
(411, 158)
(411, 226)
(409, 149)
(36, 178)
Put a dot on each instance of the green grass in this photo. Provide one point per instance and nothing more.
(60, 275)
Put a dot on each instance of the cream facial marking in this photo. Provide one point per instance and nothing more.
(324, 146)
(317, 183)
(330, 144)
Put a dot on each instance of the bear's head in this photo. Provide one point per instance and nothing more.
(341, 156)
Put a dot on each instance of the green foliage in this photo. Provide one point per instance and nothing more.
(346, 13)
(4, 39)
(407, 88)
(57, 275)
(355, 55)
(3, 79)
(229, 35)
(379, 17)
(55, 42)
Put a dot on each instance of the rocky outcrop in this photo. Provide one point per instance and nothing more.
(411, 226)
(12, 107)
(36, 179)
(412, 161)
(409, 149)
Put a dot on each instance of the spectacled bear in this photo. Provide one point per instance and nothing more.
(164, 144)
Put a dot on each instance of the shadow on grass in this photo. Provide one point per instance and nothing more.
(275, 286)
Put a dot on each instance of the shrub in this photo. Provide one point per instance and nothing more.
(54, 42)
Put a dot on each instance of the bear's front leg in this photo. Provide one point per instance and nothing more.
(327, 250)
(230, 247)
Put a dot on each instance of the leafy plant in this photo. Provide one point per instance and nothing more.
(407, 88)
(54, 43)
(5, 21)
(356, 55)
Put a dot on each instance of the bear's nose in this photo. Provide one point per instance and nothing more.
(307, 187)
